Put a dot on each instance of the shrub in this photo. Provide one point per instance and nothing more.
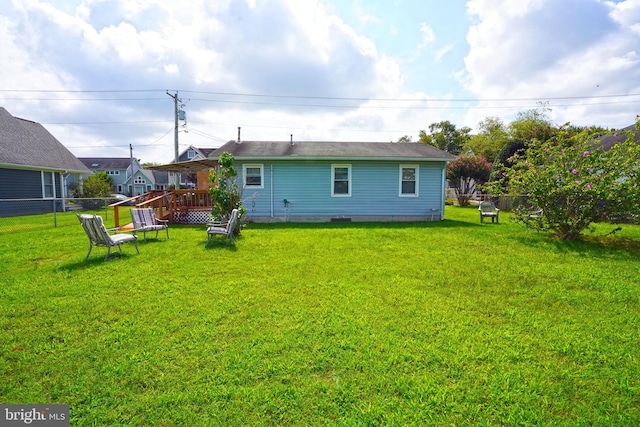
(575, 182)
(226, 192)
(96, 186)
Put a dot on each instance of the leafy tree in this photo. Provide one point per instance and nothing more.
(465, 173)
(226, 192)
(492, 136)
(96, 186)
(446, 136)
(405, 138)
(530, 125)
(575, 183)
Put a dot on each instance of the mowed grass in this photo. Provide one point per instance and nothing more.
(447, 323)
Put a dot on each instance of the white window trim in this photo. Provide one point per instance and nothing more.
(333, 177)
(417, 169)
(53, 185)
(244, 175)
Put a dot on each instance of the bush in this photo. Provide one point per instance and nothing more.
(226, 192)
(98, 185)
(575, 183)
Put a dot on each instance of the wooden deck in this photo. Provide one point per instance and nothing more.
(177, 206)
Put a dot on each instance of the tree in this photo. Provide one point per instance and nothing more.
(530, 125)
(575, 183)
(446, 136)
(405, 138)
(490, 139)
(465, 173)
(96, 186)
(226, 193)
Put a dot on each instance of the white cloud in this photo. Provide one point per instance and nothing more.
(428, 35)
(274, 47)
(545, 49)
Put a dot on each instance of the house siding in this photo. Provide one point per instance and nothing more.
(27, 184)
(306, 185)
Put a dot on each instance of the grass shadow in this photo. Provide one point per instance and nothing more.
(447, 223)
(592, 246)
(95, 260)
(221, 243)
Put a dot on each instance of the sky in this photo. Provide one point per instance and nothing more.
(102, 75)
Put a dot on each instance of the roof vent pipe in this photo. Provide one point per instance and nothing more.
(291, 143)
(238, 141)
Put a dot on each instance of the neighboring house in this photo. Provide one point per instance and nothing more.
(33, 165)
(340, 181)
(607, 141)
(191, 179)
(119, 170)
(161, 179)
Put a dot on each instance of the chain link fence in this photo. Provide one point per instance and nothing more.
(17, 215)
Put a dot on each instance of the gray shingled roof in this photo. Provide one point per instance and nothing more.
(341, 151)
(29, 144)
(405, 151)
(106, 163)
(607, 141)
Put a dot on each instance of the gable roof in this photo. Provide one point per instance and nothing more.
(106, 163)
(405, 151)
(607, 141)
(26, 144)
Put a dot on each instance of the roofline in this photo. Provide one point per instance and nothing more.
(347, 158)
(42, 168)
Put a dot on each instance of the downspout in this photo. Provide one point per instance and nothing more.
(443, 191)
(271, 187)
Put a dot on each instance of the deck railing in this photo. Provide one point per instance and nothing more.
(167, 204)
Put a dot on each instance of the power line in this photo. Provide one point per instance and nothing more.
(332, 98)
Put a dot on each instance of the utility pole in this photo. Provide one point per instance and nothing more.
(133, 188)
(175, 134)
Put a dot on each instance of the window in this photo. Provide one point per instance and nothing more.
(341, 180)
(113, 172)
(191, 154)
(408, 180)
(48, 187)
(139, 180)
(253, 176)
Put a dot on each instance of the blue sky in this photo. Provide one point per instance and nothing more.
(96, 72)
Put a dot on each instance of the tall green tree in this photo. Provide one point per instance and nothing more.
(492, 136)
(446, 136)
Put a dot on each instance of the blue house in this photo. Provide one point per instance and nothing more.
(34, 166)
(340, 181)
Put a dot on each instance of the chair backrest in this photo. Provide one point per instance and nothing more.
(142, 217)
(95, 229)
(487, 206)
(231, 225)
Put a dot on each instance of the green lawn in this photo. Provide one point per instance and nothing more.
(448, 323)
